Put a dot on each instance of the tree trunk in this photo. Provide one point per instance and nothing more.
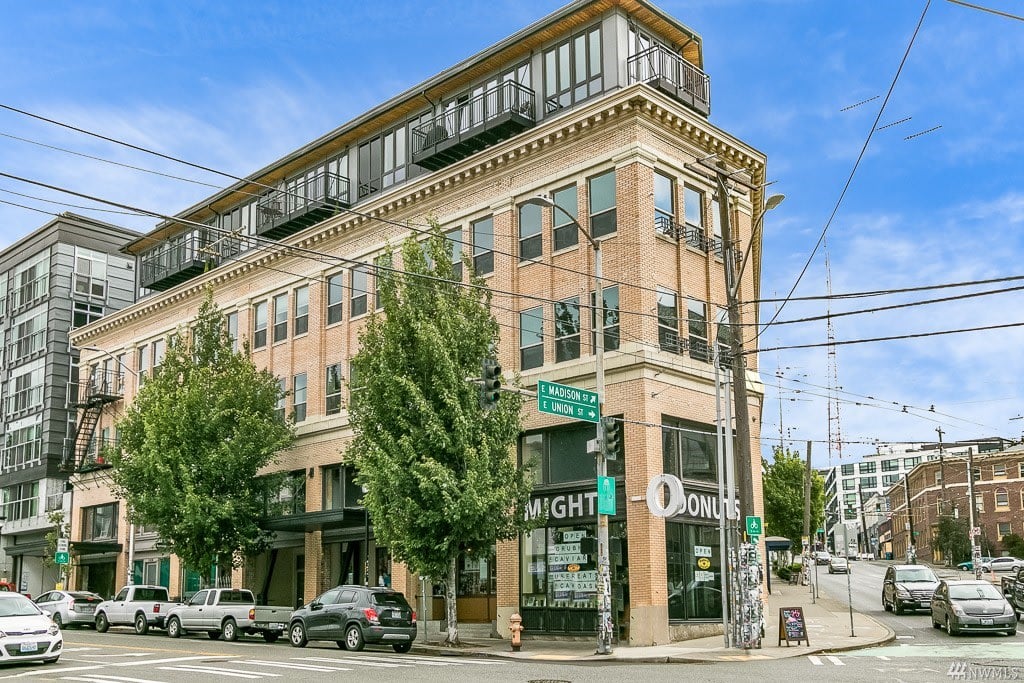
(450, 606)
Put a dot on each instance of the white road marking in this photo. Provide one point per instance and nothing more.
(358, 661)
(234, 673)
(108, 678)
(835, 660)
(816, 661)
(295, 666)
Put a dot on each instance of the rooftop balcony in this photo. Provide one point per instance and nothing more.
(467, 127)
(671, 74)
(305, 202)
(179, 259)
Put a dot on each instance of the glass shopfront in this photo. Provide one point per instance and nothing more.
(694, 572)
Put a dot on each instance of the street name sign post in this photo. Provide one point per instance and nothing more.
(561, 399)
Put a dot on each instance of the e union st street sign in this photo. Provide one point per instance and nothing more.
(561, 399)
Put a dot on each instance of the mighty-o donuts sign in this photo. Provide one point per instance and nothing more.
(695, 504)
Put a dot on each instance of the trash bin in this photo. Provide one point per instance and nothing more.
(888, 556)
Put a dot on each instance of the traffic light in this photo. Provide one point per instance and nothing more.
(612, 443)
(490, 389)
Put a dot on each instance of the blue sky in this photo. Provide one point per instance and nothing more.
(234, 86)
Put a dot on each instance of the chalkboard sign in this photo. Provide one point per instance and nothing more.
(792, 626)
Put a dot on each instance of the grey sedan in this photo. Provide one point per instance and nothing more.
(966, 606)
(68, 608)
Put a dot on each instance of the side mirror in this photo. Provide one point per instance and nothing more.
(315, 606)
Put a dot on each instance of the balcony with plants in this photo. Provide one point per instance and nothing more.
(302, 202)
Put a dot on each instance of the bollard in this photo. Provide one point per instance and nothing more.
(515, 626)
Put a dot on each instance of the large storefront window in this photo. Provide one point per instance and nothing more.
(559, 456)
(694, 572)
(689, 449)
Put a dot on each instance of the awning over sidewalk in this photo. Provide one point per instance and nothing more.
(776, 543)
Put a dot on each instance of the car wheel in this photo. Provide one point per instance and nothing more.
(885, 605)
(213, 635)
(950, 629)
(271, 636)
(141, 625)
(297, 634)
(174, 627)
(354, 638)
(102, 623)
(341, 644)
(57, 620)
(401, 648)
(230, 630)
(1012, 632)
(897, 607)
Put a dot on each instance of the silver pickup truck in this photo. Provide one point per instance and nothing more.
(270, 620)
(140, 606)
(217, 611)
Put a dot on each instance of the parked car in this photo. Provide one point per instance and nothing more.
(822, 557)
(270, 620)
(908, 586)
(972, 606)
(141, 606)
(1013, 589)
(216, 611)
(838, 565)
(70, 608)
(27, 634)
(353, 616)
(969, 564)
(867, 556)
(1002, 564)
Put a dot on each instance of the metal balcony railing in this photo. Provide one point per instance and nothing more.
(176, 260)
(100, 386)
(468, 126)
(303, 202)
(666, 71)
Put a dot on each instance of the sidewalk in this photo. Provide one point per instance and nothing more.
(828, 628)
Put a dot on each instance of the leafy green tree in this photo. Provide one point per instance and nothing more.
(194, 441)
(437, 465)
(952, 539)
(1013, 544)
(783, 485)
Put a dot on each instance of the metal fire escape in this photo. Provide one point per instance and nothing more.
(91, 395)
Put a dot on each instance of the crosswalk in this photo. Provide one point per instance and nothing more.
(92, 665)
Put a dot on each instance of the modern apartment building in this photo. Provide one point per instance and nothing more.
(849, 519)
(66, 274)
(936, 488)
(604, 107)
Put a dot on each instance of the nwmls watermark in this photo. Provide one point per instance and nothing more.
(965, 671)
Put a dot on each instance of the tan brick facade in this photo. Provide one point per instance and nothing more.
(633, 131)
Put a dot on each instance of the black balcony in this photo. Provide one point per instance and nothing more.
(467, 127)
(179, 259)
(668, 72)
(100, 387)
(303, 203)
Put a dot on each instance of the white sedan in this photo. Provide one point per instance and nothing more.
(1002, 564)
(26, 633)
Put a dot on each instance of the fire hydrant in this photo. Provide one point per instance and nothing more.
(515, 626)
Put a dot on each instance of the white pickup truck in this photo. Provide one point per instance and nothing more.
(218, 611)
(139, 606)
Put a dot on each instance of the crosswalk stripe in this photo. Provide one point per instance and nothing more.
(456, 659)
(835, 660)
(216, 670)
(359, 661)
(109, 678)
(815, 660)
(884, 658)
(295, 666)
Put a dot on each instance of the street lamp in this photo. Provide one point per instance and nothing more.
(604, 627)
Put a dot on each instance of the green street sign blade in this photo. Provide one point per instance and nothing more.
(753, 526)
(62, 558)
(566, 401)
(605, 495)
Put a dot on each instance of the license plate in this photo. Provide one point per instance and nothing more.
(986, 622)
(29, 647)
(89, 609)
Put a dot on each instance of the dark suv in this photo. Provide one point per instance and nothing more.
(908, 586)
(353, 616)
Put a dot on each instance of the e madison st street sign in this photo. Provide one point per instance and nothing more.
(561, 399)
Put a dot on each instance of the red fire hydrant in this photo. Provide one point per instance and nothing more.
(515, 626)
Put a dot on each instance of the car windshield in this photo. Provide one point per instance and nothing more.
(915, 575)
(390, 600)
(975, 591)
(18, 606)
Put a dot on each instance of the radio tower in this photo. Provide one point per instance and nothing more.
(835, 436)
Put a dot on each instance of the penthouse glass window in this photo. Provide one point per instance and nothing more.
(610, 297)
(383, 161)
(565, 234)
(668, 321)
(483, 246)
(602, 205)
(335, 298)
(531, 338)
(664, 205)
(572, 70)
(530, 245)
(332, 389)
(559, 455)
(280, 317)
(301, 310)
(259, 325)
(360, 290)
(567, 329)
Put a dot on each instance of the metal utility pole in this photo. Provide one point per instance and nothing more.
(911, 553)
(942, 472)
(975, 545)
(809, 553)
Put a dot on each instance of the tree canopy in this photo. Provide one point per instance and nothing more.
(784, 497)
(194, 441)
(437, 466)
